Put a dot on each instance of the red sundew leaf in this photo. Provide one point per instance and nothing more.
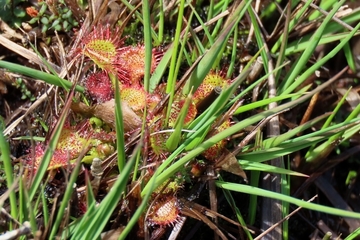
(164, 211)
(213, 153)
(102, 46)
(158, 139)
(152, 100)
(99, 87)
(211, 81)
(72, 141)
(133, 58)
(175, 110)
(135, 96)
(32, 12)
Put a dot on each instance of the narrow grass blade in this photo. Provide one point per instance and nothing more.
(233, 54)
(353, 235)
(139, 16)
(148, 43)
(259, 39)
(319, 63)
(90, 198)
(301, 203)
(94, 223)
(220, 7)
(64, 206)
(175, 137)
(45, 209)
(349, 56)
(206, 29)
(325, 5)
(46, 159)
(275, 141)
(302, 44)
(264, 102)
(314, 41)
(161, 22)
(236, 210)
(171, 81)
(160, 69)
(9, 173)
(342, 135)
(207, 61)
(292, 24)
(46, 77)
(119, 126)
(256, 166)
(138, 213)
(329, 120)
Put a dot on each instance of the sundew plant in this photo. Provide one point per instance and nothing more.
(180, 120)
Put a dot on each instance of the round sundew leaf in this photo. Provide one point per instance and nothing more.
(102, 46)
(211, 81)
(176, 109)
(213, 153)
(99, 87)
(164, 211)
(135, 96)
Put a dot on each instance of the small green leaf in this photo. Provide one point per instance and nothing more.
(44, 20)
(19, 12)
(175, 137)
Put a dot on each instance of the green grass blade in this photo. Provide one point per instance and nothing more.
(205, 64)
(354, 235)
(160, 69)
(206, 29)
(239, 216)
(223, 6)
(301, 203)
(313, 43)
(343, 135)
(23, 208)
(325, 5)
(94, 223)
(275, 141)
(46, 159)
(329, 120)
(138, 213)
(233, 54)
(303, 43)
(264, 102)
(45, 209)
(256, 166)
(148, 43)
(320, 62)
(9, 173)
(119, 126)
(171, 81)
(46, 77)
(349, 56)
(292, 24)
(161, 22)
(174, 139)
(259, 39)
(90, 198)
(64, 206)
(285, 189)
(139, 16)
